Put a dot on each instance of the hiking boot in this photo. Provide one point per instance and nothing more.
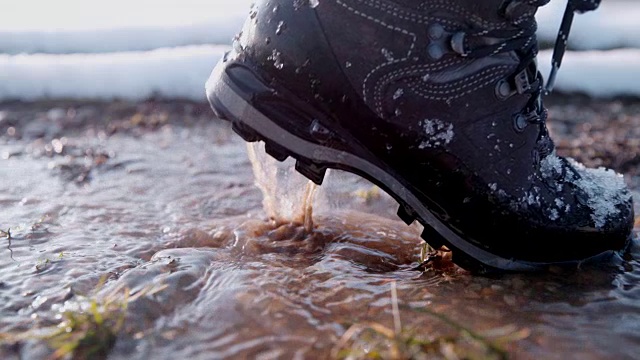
(437, 102)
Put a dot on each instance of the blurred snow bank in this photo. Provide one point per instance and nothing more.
(614, 25)
(120, 39)
(81, 26)
(31, 26)
(168, 73)
(596, 73)
(181, 73)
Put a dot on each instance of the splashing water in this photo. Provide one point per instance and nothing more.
(290, 197)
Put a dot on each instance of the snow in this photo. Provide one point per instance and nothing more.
(119, 39)
(117, 25)
(605, 190)
(614, 25)
(438, 133)
(182, 72)
(532, 199)
(551, 166)
(134, 25)
(596, 73)
(170, 73)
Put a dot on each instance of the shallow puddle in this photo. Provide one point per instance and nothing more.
(169, 222)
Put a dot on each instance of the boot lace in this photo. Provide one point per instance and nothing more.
(521, 38)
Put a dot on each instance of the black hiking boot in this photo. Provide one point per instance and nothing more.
(439, 103)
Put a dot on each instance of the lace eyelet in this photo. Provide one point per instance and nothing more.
(457, 43)
(503, 90)
(520, 123)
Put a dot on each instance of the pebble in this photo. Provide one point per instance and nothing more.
(510, 300)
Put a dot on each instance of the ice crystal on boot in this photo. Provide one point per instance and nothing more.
(438, 133)
(398, 94)
(551, 166)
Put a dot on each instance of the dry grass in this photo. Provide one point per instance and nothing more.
(371, 340)
(89, 330)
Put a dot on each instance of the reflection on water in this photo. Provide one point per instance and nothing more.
(172, 209)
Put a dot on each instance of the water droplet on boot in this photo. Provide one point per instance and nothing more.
(301, 67)
(237, 46)
(281, 27)
(253, 15)
(297, 4)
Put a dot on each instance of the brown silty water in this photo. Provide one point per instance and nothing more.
(158, 208)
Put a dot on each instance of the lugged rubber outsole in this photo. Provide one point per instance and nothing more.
(312, 161)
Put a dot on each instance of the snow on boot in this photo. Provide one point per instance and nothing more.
(439, 103)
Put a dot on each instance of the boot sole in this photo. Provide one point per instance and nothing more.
(312, 161)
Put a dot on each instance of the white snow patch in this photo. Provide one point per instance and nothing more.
(438, 133)
(64, 26)
(596, 73)
(615, 24)
(554, 215)
(121, 39)
(605, 190)
(170, 73)
(80, 26)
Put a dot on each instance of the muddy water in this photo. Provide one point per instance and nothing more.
(278, 270)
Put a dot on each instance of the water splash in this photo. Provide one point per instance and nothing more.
(307, 206)
(289, 196)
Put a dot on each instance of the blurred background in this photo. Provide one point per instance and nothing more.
(71, 49)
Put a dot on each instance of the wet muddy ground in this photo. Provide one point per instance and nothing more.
(136, 231)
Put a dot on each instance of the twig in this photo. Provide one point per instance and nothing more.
(396, 311)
